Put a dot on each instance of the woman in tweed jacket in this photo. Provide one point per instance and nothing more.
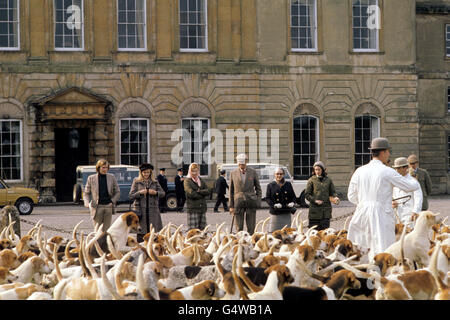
(145, 192)
(196, 193)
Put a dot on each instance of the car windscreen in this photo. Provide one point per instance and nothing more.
(123, 176)
(268, 172)
(264, 172)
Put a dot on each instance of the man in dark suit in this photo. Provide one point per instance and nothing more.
(163, 183)
(245, 194)
(179, 190)
(221, 189)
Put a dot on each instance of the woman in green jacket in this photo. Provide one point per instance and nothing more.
(196, 193)
(320, 193)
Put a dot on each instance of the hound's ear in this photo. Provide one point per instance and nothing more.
(129, 219)
(392, 261)
(305, 256)
(343, 249)
(211, 289)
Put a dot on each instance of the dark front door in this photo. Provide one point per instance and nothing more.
(71, 150)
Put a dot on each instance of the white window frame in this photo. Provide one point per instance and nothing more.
(21, 149)
(317, 136)
(447, 40)
(145, 29)
(209, 140)
(205, 10)
(120, 137)
(18, 32)
(314, 29)
(82, 29)
(374, 133)
(377, 32)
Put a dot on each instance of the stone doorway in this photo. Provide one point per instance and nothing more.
(71, 150)
(60, 118)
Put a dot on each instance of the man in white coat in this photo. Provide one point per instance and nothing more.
(405, 210)
(373, 223)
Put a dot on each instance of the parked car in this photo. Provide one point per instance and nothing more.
(266, 173)
(23, 198)
(124, 175)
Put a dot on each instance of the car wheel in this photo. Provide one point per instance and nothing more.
(171, 202)
(302, 200)
(76, 193)
(25, 206)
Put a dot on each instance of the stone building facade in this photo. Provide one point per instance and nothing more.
(433, 95)
(325, 89)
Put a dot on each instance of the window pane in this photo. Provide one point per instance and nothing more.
(69, 24)
(134, 131)
(192, 18)
(363, 37)
(10, 153)
(305, 146)
(194, 144)
(303, 18)
(9, 24)
(131, 24)
(366, 129)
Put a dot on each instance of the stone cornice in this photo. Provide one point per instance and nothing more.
(431, 7)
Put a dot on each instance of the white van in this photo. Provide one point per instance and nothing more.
(266, 174)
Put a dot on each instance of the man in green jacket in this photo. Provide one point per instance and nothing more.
(422, 176)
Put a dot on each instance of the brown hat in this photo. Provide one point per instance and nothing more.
(400, 162)
(379, 144)
(413, 159)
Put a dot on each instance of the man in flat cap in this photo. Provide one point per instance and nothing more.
(163, 183)
(245, 194)
(422, 176)
(406, 209)
(373, 223)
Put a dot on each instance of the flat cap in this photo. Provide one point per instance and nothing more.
(413, 159)
(241, 158)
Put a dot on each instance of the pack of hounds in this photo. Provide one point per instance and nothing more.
(294, 263)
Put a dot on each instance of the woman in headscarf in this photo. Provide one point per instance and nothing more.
(281, 198)
(196, 194)
(145, 193)
(320, 192)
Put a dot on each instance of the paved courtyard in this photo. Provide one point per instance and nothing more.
(59, 219)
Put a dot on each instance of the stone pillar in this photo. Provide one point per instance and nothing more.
(47, 156)
(248, 30)
(38, 30)
(236, 29)
(102, 30)
(164, 29)
(100, 141)
(224, 39)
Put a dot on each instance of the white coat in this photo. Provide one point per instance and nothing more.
(373, 223)
(414, 205)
